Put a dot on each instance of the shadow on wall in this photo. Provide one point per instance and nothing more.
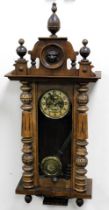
(10, 122)
(69, 0)
(91, 87)
(10, 143)
(9, 97)
(63, 0)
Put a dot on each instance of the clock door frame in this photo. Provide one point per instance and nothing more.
(40, 88)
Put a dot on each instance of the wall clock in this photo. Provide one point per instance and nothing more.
(54, 118)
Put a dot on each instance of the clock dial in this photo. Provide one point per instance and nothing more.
(54, 104)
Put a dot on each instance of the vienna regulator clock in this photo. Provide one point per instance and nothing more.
(54, 118)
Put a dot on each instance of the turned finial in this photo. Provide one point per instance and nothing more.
(21, 50)
(54, 7)
(53, 21)
(85, 51)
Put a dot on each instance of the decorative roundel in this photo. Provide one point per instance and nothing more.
(52, 56)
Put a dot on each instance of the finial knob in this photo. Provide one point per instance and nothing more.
(53, 21)
(54, 7)
(21, 50)
(85, 51)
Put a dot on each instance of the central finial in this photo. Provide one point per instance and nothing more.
(53, 21)
(54, 7)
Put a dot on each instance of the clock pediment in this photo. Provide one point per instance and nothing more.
(53, 54)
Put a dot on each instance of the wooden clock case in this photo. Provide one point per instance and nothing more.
(42, 136)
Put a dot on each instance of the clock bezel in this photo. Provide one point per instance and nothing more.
(61, 116)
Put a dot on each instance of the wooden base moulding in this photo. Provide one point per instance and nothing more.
(68, 193)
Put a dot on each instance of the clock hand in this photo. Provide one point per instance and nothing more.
(51, 96)
(59, 103)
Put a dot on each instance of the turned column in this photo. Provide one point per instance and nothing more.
(27, 157)
(81, 139)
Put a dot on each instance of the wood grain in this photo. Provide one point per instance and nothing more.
(81, 139)
(27, 157)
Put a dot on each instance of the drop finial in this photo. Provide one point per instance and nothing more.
(53, 21)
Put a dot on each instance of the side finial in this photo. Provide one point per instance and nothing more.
(85, 51)
(53, 21)
(21, 50)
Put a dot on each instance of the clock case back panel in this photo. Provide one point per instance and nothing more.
(54, 132)
(44, 141)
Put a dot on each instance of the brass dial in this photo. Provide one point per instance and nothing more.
(54, 104)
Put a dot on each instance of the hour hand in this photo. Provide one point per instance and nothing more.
(51, 97)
